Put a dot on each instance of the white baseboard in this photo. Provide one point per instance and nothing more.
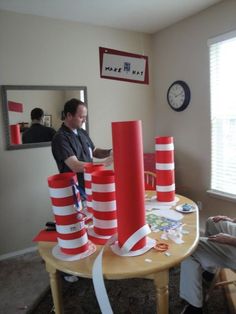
(16, 253)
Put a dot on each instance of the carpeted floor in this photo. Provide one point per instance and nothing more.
(131, 296)
(23, 280)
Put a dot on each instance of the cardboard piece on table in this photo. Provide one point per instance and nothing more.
(46, 236)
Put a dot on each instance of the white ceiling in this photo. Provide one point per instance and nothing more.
(146, 16)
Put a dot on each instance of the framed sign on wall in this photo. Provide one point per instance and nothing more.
(48, 120)
(123, 66)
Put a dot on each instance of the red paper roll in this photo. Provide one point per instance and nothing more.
(64, 201)
(105, 232)
(166, 196)
(129, 179)
(60, 188)
(67, 219)
(166, 177)
(71, 236)
(104, 197)
(78, 250)
(165, 181)
(15, 134)
(105, 215)
(62, 180)
(165, 156)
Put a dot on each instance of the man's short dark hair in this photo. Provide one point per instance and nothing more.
(36, 114)
(72, 105)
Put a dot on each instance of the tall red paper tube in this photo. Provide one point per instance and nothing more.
(15, 134)
(129, 179)
(165, 182)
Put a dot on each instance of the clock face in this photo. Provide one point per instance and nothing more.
(178, 95)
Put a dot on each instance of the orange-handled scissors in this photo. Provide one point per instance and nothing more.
(161, 247)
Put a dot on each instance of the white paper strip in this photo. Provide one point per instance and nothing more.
(170, 166)
(64, 210)
(88, 191)
(61, 192)
(105, 224)
(165, 188)
(87, 177)
(104, 206)
(134, 238)
(89, 204)
(150, 243)
(98, 281)
(74, 243)
(164, 147)
(109, 187)
(65, 229)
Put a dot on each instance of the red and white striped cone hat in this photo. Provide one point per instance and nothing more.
(165, 173)
(88, 170)
(104, 206)
(66, 204)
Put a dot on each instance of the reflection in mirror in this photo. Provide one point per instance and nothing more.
(18, 102)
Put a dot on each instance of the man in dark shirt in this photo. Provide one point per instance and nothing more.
(37, 132)
(72, 147)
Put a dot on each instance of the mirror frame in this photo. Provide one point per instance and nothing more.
(6, 88)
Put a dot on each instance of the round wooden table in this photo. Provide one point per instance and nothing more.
(153, 265)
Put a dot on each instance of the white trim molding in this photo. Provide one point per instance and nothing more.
(222, 195)
(17, 253)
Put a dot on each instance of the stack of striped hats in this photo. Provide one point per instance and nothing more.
(66, 204)
(165, 173)
(104, 206)
(88, 170)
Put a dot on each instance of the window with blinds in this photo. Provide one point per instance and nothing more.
(223, 114)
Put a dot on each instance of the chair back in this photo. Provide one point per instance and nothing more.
(150, 180)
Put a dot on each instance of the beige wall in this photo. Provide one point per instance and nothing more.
(181, 53)
(51, 102)
(42, 51)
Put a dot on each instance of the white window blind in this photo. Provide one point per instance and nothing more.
(223, 113)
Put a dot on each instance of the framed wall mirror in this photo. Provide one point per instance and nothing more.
(19, 100)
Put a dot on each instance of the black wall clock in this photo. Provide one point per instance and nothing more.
(178, 95)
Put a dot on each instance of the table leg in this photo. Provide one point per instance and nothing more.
(161, 281)
(55, 283)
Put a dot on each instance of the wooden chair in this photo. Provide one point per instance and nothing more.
(225, 278)
(150, 180)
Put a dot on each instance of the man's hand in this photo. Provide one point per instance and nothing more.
(101, 153)
(219, 218)
(223, 238)
(108, 161)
